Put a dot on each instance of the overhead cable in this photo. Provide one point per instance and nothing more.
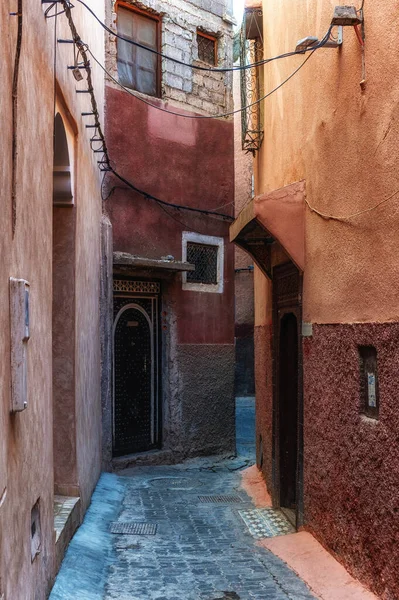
(196, 116)
(83, 49)
(353, 215)
(191, 65)
(170, 204)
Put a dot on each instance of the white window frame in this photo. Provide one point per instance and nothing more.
(209, 240)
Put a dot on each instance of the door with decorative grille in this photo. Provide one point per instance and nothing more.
(136, 388)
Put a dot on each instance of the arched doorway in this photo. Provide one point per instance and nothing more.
(288, 408)
(135, 379)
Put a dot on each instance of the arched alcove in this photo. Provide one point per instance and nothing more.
(62, 181)
(63, 323)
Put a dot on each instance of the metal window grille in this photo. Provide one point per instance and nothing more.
(251, 47)
(206, 48)
(205, 259)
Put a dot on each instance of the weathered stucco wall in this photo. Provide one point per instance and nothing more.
(341, 139)
(343, 143)
(244, 280)
(352, 462)
(188, 162)
(26, 438)
(207, 393)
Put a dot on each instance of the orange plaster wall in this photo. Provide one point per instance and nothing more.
(321, 127)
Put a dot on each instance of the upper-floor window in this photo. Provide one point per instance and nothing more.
(207, 48)
(139, 68)
(206, 253)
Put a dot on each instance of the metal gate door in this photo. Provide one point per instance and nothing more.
(135, 375)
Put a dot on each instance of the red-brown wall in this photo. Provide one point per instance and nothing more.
(351, 461)
(187, 162)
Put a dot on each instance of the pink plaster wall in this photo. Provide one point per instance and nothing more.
(26, 439)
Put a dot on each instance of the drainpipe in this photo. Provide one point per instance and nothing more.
(15, 119)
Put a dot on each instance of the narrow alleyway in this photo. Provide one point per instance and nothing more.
(194, 542)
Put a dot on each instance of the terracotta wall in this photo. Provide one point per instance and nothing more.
(342, 139)
(26, 438)
(322, 127)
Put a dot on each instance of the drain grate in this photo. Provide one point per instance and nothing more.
(220, 499)
(133, 528)
(266, 522)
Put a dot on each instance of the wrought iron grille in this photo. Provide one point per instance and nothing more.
(205, 259)
(206, 48)
(251, 50)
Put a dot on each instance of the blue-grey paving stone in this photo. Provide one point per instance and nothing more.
(199, 551)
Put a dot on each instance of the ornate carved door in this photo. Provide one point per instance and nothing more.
(136, 373)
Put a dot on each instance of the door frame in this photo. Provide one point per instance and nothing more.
(156, 349)
(291, 304)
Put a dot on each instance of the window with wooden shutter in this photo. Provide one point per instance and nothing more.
(138, 68)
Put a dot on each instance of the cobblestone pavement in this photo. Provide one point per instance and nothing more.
(201, 550)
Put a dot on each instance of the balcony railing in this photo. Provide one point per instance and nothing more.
(251, 50)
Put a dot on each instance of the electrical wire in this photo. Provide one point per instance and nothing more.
(184, 225)
(15, 132)
(353, 215)
(195, 116)
(170, 204)
(84, 49)
(193, 66)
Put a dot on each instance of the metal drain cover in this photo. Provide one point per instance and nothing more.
(220, 499)
(133, 528)
(175, 483)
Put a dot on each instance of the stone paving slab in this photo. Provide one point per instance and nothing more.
(201, 551)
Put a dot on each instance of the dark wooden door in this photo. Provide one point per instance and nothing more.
(288, 410)
(135, 357)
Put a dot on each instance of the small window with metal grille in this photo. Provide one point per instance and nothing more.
(206, 254)
(205, 259)
(207, 48)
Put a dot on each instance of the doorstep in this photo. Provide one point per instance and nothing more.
(66, 522)
(146, 459)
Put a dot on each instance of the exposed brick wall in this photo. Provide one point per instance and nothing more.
(204, 91)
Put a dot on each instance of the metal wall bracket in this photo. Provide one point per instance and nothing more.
(307, 43)
(346, 16)
(335, 42)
